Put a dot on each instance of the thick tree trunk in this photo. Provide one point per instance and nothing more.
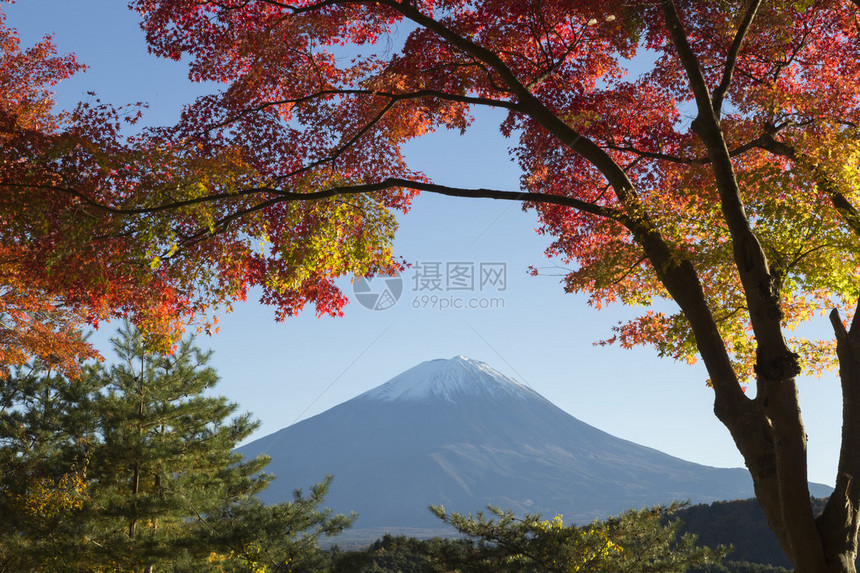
(838, 523)
(794, 510)
(827, 544)
(838, 529)
(768, 430)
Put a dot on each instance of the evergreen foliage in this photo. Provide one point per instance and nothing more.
(165, 454)
(132, 468)
(634, 542)
(276, 538)
(46, 435)
(640, 541)
(393, 553)
(741, 524)
(737, 567)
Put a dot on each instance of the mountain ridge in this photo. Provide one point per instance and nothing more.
(458, 433)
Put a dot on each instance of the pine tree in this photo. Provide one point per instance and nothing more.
(132, 468)
(46, 439)
(166, 455)
(643, 541)
(277, 538)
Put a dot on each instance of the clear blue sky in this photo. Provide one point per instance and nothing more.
(542, 337)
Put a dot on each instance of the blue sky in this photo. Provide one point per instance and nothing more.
(284, 372)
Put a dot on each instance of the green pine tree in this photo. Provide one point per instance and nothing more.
(132, 468)
(273, 538)
(46, 441)
(166, 455)
(636, 541)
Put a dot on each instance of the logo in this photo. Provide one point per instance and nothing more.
(378, 293)
(438, 285)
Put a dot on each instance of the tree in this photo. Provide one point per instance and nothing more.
(276, 538)
(640, 541)
(133, 468)
(46, 434)
(33, 323)
(747, 217)
(392, 553)
(165, 455)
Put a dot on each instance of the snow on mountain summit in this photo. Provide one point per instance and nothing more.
(448, 380)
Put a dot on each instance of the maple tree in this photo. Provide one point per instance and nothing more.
(746, 216)
(33, 324)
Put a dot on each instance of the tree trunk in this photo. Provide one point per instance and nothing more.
(838, 523)
(135, 489)
(826, 544)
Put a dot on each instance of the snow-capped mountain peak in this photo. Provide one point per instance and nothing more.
(448, 380)
(459, 433)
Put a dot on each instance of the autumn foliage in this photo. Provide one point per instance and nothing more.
(310, 119)
(34, 323)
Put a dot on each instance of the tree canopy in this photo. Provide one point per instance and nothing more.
(33, 323)
(722, 177)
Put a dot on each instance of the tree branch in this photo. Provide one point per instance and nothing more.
(389, 183)
(391, 96)
(731, 59)
(756, 143)
(849, 213)
(774, 359)
(673, 269)
(688, 58)
(840, 520)
(126, 211)
(553, 66)
(776, 458)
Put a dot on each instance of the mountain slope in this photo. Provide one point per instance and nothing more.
(458, 433)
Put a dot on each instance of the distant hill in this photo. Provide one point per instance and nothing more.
(739, 523)
(459, 433)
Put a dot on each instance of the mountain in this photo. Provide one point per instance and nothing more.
(458, 433)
